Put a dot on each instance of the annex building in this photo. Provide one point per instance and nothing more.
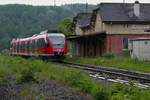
(109, 28)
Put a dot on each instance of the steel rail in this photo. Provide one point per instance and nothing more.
(141, 77)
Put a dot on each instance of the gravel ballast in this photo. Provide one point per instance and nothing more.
(43, 89)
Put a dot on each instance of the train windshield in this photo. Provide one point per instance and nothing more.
(57, 41)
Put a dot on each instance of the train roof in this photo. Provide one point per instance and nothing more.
(37, 36)
(49, 31)
(56, 34)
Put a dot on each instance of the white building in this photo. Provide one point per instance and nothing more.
(140, 48)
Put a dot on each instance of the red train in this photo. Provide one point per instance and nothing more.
(45, 44)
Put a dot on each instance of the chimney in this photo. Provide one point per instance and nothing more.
(136, 9)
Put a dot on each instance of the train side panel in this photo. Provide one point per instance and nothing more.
(38, 46)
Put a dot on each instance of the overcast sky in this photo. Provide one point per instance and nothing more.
(60, 2)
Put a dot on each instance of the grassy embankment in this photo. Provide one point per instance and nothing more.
(31, 70)
(116, 62)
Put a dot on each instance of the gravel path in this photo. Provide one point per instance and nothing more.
(45, 90)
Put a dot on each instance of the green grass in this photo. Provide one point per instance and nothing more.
(124, 63)
(32, 70)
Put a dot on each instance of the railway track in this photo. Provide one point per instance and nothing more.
(113, 74)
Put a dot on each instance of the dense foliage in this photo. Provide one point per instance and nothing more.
(65, 26)
(24, 20)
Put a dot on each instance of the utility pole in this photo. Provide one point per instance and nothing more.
(86, 8)
(123, 1)
(54, 3)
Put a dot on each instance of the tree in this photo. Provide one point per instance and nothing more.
(18, 21)
(65, 26)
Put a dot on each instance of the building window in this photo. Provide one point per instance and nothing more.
(125, 43)
(127, 25)
(124, 25)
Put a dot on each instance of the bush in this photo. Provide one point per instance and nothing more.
(5, 52)
(108, 55)
(27, 75)
(100, 93)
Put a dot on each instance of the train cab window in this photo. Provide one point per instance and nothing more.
(57, 41)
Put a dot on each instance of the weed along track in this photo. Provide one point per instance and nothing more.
(26, 79)
(112, 74)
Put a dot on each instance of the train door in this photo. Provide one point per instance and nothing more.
(41, 46)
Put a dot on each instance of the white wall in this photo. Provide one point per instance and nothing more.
(141, 49)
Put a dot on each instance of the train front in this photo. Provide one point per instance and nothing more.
(58, 44)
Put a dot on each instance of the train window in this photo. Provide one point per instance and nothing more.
(38, 43)
(22, 46)
(30, 46)
(33, 45)
(19, 47)
(41, 43)
(57, 41)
